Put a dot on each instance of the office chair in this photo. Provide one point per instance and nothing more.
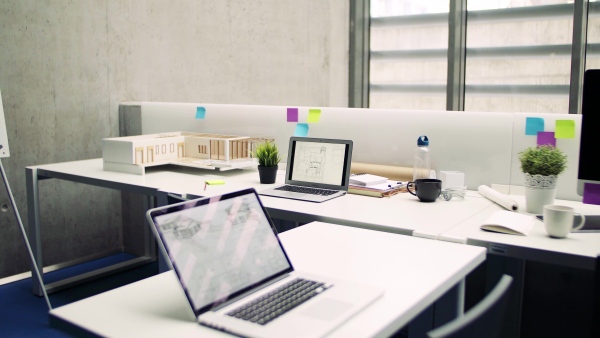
(596, 314)
(483, 320)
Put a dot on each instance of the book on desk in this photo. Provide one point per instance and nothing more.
(387, 189)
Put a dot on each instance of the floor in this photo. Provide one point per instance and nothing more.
(23, 314)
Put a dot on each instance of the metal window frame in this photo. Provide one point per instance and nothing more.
(360, 53)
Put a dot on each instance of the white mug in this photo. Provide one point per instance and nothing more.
(558, 220)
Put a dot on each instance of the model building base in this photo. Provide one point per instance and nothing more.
(220, 165)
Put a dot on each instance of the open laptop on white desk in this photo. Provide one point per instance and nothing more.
(317, 170)
(237, 277)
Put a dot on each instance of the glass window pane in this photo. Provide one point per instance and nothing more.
(518, 55)
(408, 61)
(592, 59)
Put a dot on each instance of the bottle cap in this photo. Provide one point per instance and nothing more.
(423, 141)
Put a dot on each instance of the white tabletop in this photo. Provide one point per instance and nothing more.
(414, 272)
(577, 250)
(402, 213)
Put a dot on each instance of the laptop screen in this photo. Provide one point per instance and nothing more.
(220, 247)
(319, 162)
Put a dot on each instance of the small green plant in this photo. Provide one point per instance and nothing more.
(267, 154)
(543, 160)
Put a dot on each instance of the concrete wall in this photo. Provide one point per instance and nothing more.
(66, 65)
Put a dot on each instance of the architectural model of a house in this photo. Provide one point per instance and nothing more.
(132, 154)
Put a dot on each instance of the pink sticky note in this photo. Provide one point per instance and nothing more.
(591, 193)
(546, 138)
(292, 114)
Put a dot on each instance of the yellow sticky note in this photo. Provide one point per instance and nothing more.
(214, 182)
(314, 115)
(565, 129)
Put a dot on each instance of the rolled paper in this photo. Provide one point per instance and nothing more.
(499, 198)
(393, 173)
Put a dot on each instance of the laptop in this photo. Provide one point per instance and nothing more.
(317, 170)
(237, 276)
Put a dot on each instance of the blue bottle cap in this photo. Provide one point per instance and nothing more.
(423, 141)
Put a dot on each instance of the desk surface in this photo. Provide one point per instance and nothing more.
(402, 213)
(414, 272)
(578, 250)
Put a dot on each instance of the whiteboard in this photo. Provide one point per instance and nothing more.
(3, 137)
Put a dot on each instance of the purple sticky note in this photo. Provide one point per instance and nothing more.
(534, 125)
(591, 193)
(292, 114)
(546, 137)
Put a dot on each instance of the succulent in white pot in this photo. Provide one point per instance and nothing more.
(541, 166)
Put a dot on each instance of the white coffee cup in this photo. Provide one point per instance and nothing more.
(558, 220)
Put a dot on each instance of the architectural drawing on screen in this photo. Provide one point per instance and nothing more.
(133, 154)
(313, 161)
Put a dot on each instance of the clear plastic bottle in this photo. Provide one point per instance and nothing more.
(421, 168)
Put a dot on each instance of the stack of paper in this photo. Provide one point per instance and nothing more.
(367, 180)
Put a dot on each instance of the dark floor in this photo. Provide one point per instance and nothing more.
(23, 314)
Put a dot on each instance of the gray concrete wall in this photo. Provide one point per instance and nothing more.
(66, 65)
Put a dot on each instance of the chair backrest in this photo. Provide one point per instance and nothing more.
(596, 315)
(483, 320)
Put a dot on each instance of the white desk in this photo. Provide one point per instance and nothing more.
(402, 213)
(413, 271)
(578, 250)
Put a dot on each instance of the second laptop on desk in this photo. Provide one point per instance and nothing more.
(317, 170)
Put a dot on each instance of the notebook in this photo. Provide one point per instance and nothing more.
(367, 180)
(317, 170)
(229, 261)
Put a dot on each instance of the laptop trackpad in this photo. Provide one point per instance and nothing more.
(327, 309)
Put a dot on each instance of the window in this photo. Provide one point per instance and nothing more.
(513, 55)
(408, 54)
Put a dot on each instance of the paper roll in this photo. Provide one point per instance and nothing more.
(391, 172)
(498, 198)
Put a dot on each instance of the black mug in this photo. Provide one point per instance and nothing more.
(426, 189)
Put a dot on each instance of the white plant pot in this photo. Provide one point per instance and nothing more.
(539, 191)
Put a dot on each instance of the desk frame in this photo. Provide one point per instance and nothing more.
(33, 176)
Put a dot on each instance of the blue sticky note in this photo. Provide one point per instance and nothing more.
(534, 125)
(200, 113)
(301, 129)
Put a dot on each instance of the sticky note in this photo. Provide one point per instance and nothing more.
(200, 113)
(533, 125)
(546, 137)
(292, 114)
(565, 129)
(314, 115)
(214, 182)
(591, 193)
(301, 129)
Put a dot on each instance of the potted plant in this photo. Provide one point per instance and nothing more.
(541, 166)
(268, 158)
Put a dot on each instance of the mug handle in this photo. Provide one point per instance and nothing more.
(581, 221)
(408, 188)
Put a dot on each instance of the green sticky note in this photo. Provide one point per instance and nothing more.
(565, 129)
(314, 115)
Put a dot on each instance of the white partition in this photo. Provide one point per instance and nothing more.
(483, 145)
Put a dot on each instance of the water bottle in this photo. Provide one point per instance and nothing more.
(421, 167)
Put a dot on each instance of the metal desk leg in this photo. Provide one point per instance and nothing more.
(33, 216)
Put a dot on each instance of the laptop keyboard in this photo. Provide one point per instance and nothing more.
(279, 301)
(305, 190)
